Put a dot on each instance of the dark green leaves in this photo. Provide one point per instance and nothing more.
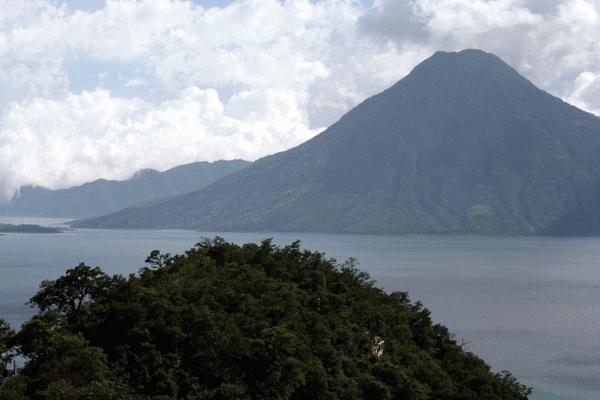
(236, 323)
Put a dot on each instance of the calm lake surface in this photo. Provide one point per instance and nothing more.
(529, 305)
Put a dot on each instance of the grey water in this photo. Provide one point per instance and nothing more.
(528, 305)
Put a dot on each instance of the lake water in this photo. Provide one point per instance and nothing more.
(529, 305)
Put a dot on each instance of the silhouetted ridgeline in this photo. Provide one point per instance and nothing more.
(463, 144)
(231, 322)
(103, 196)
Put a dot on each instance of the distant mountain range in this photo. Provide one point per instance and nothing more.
(463, 144)
(104, 196)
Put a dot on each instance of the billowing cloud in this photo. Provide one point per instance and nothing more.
(585, 91)
(90, 92)
(94, 134)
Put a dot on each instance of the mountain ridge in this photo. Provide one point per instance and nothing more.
(462, 144)
(102, 196)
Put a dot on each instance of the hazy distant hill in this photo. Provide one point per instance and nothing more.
(462, 144)
(104, 196)
(27, 228)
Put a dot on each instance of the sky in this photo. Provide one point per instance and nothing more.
(100, 89)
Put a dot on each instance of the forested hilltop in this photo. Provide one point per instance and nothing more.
(237, 322)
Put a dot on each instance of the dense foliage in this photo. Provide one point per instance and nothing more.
(237, 322)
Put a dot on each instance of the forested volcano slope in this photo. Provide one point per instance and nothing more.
(463, 144)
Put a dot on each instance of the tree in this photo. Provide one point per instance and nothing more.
(61, 365)
(6, 334)
(239, 322)
(158, 260)
(68, 294)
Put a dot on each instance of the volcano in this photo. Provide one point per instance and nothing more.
(463, 144)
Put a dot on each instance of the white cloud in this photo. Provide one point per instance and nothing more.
(20, 81)
(93, 134)
(585, 92)
(465, 17)
(286, 69)
(136, 82)
(246, 79)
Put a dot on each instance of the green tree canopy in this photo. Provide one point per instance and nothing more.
(6, 335)
(240, 322)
